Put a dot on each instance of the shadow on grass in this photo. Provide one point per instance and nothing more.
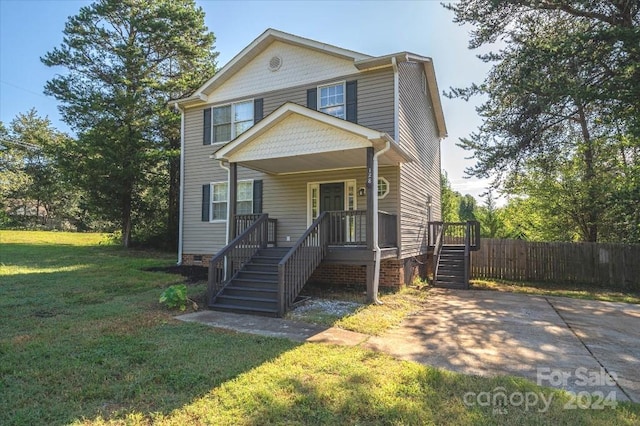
(89, 338)
(319, 384)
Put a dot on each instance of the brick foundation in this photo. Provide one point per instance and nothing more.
(196, 259)
(393, 272)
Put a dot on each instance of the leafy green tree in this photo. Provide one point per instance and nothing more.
(556, 97)
(450, 200)
(467, 208)
(607, 43)
(30, 182)
(491, 225)
(124, 61)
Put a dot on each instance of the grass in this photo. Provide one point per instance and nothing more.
(369, 318)
(576, 291)
(83, 340)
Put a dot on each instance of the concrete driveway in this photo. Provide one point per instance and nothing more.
(578, 345)
(581, 346)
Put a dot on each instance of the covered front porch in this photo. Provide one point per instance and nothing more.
(320, 202)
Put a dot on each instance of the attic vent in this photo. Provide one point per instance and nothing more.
(275, 63)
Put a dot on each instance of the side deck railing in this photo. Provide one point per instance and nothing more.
(299, 263)
(455, 233)
(226, 264)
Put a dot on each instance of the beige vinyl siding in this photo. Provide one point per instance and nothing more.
(418, 135)
(202, 237)
(284, 197)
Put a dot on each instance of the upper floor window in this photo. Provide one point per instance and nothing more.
(331, 100)
(229, 121)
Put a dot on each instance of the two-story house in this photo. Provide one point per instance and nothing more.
(305, 161)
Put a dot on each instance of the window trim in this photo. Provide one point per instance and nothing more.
(211, 184)
(380, 178)
(232, 122)
(342, 83)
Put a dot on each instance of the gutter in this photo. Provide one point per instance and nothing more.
(181, 200)
(376, 246)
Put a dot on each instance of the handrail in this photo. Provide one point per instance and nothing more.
(467, 257)
(226, 264)
(303, 258)
(436, 253)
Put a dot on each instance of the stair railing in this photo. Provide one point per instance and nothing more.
(298, 264)
(437, 248)
(454, 233)
(467, 253)
(225, 265)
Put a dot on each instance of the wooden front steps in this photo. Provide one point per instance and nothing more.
(450, 270)
(254, 289)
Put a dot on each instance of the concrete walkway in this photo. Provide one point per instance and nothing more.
(560, 342)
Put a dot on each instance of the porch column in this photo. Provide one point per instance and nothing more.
(370, 194)
(233, 196)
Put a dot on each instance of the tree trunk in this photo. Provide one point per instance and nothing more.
(126, 223)
(591, 213)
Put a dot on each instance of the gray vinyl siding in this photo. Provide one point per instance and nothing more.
(284, 197)
(202, 237)
(375, 98)
(418, 135)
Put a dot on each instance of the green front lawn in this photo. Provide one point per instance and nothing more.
(83, 339)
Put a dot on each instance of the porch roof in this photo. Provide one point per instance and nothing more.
(295, 139)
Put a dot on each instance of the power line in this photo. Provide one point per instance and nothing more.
(23, 89)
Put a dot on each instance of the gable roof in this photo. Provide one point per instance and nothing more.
(293, 130)
(264, 40)
(361, 62)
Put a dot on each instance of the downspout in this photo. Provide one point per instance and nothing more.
(396, 98)
(376, 246)
(181, 201)
(228, 207)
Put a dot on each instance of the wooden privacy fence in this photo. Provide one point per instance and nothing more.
(606, 265)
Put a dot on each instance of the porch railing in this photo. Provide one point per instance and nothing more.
(387, 230)
(243, 221)
(299, 263)
(349, 228)
(226, 264)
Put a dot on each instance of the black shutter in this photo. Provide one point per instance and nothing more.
(352, 101)
(206, 139)
(312, 98)
(206, 202)
(257, 196)
(257, 110)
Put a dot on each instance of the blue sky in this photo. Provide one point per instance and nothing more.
(30, 28)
